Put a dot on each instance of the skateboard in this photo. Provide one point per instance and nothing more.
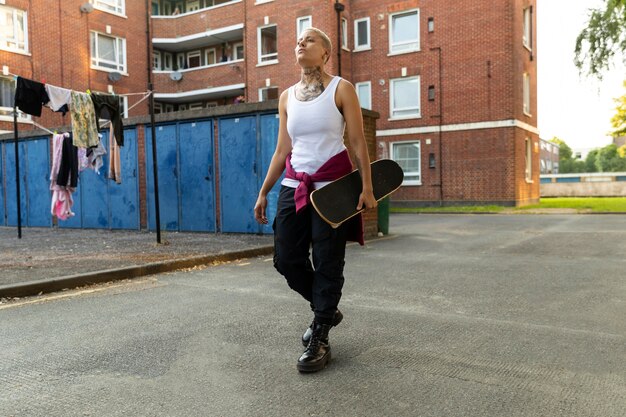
(336, 202)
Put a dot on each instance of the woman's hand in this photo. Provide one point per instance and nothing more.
(259, 210)
(367, 200)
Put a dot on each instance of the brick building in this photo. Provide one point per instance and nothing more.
(454, 84)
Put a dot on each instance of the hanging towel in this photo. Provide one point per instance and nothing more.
(84, 127)
(30, 96)
(115, 168)
(59, 98)
(62, 201)
(68, 169)
(112, 106)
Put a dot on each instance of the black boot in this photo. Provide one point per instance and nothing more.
(309, 330)
(317, 353)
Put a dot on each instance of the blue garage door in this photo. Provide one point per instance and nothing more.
(124, 197)
(238, 174)
(3, 220)
(93, 193)
(168, 177)
(197, 194)
(269, 135)
(37, 171)
(11, 188)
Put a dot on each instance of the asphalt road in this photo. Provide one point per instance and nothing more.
(455, 315)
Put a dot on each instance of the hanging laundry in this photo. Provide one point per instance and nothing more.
(62, 201)
(112, 105)
(115, 167)
(68, 168)
(83, 161)
(59, 98)
(94, 156)
(30, 96)
(84, 127)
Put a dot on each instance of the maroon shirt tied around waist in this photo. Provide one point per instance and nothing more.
(336, 167)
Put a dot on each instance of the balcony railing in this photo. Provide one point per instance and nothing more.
(200, 78)
(200, 21)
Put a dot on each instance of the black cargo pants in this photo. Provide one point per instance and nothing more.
(320, 283)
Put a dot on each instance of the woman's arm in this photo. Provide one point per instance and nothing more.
(348, 102)
(277, 165)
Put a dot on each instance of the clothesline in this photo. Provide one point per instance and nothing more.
(113, 94)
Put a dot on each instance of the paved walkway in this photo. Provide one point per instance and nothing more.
(45, 254)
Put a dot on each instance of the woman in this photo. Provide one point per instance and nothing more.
(313, 115)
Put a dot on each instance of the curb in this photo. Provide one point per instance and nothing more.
(31, 288)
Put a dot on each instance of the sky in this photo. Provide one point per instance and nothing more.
(573, 107)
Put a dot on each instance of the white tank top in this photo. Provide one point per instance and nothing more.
(316, 129)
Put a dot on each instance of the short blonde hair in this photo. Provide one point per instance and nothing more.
(328, 45)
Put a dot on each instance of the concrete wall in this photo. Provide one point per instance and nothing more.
(608, 184)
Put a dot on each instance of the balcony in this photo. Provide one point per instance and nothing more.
(198, 22)
(200, 39)
(204, 83)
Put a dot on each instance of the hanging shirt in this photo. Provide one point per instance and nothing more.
(68, 168)
(94, 156)
(59, 98)
(112, 106)
(62, 201)
(30, 96)
(84, 127)
(115, 168)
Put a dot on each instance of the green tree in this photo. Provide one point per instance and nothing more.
(590, 161)
(618, 121)
(602, 39)
(609, 159)
(565, 152)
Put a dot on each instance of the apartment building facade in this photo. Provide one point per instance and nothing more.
(454, 82)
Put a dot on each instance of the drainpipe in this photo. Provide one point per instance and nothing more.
(440, 117)
(339, 8)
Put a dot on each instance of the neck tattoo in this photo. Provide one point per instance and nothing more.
(311, 84)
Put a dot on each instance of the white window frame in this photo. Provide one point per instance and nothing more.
(261, 90)
(526, 94)
(117, 7)
(168, 108)
(6, 112)
(368, 45)
(158, 108)
(168, 61)
(96, 62)
(262, 1)
(156, 61)
(180, 60)
(528, 169)
(527, 33)
(344, 33)
(391, 99)
(211, 104)
(368, 84)
(194, 54)
(195, 106)
(190, 4)
(269, 58)
(182, 107)
(392, 151)
(235, 46)
(206, 56)
(395, 48)
(21, 47)
(299, 23)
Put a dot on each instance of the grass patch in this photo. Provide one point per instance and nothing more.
(580, 204)
(594, 204)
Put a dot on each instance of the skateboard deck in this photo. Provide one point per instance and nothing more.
(336, 202)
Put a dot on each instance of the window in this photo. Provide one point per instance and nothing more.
(156, 63)
(7, 98)
(527, 37)
(303, 23)
(192, 6)
(168, 108)
(158, 109)
(529, 160)
(407, 155)
(268, 93)
(526, 92)
(108, 52)
(364, 92)
(167, 61)
(193, 59)
(13, 29)
(195, 106)
(111, 6)
(362, 34)
(156, 9)
(344, 33)
(431, 93)
(210, 104)
(405, 98)
(238, 51)
(267, 47)
(210, 56)
(180, 61)
(404, 32)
